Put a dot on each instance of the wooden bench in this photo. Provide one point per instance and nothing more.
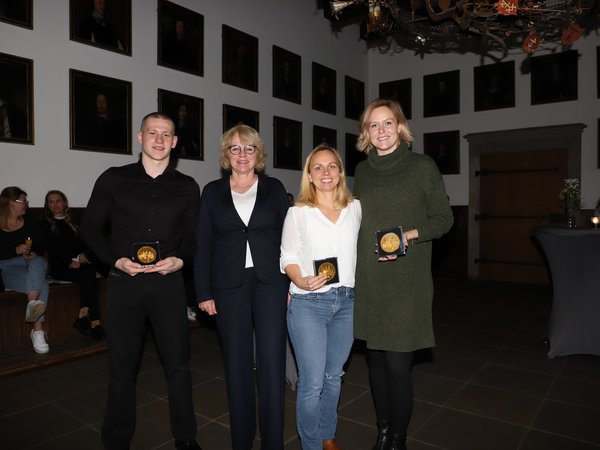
(16, 351)
(63, 307)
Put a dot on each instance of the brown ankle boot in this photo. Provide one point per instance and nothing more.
(330, 444)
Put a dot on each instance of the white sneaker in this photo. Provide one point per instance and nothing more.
(191, 314)
(38, 338)
(35, 309)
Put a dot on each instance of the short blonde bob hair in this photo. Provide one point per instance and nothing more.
(308, 192)
(363, 143)
(248, 136)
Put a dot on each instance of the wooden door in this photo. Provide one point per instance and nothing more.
(518, 191)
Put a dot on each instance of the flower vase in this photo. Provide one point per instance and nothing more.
(571, 194)
(571, 222)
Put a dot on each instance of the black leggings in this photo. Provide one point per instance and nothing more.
(85, 277)
(391, 387)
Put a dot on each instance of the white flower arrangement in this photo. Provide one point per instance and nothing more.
(571, 193)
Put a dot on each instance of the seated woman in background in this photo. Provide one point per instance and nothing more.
(21, 266)
(68, 261)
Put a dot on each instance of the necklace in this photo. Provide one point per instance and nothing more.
(331, 213)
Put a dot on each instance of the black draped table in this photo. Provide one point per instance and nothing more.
(574, 259)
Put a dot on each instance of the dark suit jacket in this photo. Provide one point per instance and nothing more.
(222, 235)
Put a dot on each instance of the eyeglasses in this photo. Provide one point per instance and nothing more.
(18, 200)
(237, 149)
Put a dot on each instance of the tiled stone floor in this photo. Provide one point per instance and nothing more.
(487, 385)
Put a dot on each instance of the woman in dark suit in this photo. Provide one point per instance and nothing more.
(237, 278)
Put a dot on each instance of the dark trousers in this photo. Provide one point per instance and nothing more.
(85, 277)
(130, 301)
(260, 308)
(392, 389)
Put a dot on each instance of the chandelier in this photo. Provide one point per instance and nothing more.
(460, 26)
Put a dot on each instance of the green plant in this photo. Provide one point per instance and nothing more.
(571, 193)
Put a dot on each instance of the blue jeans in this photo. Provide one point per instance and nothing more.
(22, 275)
(320, 328)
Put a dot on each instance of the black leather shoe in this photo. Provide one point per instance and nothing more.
(83, 325)
(383, 437)
(398, 442)
(187, 445)
(97, 333)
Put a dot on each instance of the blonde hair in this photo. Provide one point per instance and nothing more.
(248, 136)
(308, 192)
(157, 115)
(363, 143)
(50, 217)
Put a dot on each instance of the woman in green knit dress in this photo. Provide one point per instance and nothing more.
(394, 294)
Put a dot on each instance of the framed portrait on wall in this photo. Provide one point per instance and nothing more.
(399, 90)
(100, 113)
(351, 155)
(441, 94)
(233, 115)
(103, 24)
(287, 75)
(444, 148)
(240, 59)
(354, 96)
(323, 88)
(17, 12)
(16, 99)
(494, 86)
(180, 38)
(287, 136)
(188, 114)
(322, 135)
(554, 77)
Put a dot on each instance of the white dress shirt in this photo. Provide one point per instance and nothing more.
(308, 236)
(244, 205)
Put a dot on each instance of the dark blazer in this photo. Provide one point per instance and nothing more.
(222, 235)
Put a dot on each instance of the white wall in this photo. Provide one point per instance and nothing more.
(389, 67)
(297, 26)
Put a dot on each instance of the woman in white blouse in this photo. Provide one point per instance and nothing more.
(323, 226)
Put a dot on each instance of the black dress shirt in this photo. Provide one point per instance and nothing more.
(128, 206)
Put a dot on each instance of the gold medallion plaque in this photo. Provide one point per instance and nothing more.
(327, 267)
(146, 253)
(328, 270)
(390, 242)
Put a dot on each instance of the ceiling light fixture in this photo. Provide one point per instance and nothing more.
(443, 26)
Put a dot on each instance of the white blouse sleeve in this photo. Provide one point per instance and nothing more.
(291, 238)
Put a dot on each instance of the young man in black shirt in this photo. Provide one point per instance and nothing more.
(151, 210)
